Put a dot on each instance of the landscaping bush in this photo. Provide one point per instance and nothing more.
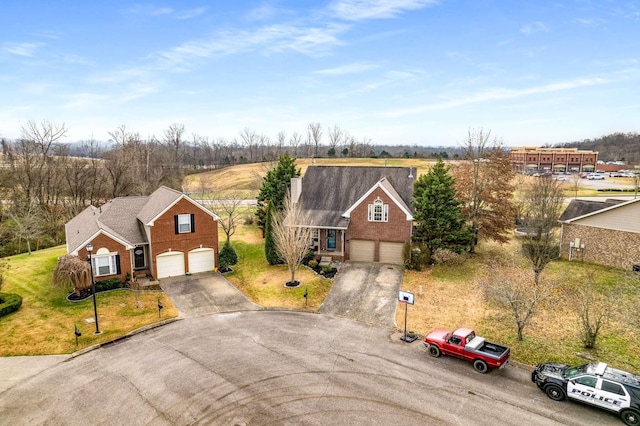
(448, 257)
(312, 263)
(9, 302)
(110, 284)
(228, 256)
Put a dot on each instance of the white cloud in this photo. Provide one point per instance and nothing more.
(20, 49)
(355, 10)
(534, 27)
(497, 94)
(191, 13)
(355, 68)
(311, 41)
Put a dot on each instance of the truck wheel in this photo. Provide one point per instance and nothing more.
(630, 417)
(480, 366)
(434, 351)
(555, 392)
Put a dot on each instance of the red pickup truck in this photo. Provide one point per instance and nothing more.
(463, 343)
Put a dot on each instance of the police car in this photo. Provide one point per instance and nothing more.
(594, 384)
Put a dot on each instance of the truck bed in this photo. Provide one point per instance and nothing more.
(493, 350)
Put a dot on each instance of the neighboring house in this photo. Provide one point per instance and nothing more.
(358, 213)
(602, 232)
(161, 235)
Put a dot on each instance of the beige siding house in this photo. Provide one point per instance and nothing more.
(606, 233)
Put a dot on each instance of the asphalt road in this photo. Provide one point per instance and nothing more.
(276, 367)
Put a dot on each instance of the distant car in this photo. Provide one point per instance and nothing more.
(595, 176)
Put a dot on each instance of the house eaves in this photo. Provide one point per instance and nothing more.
(161, 200)
(600, 211)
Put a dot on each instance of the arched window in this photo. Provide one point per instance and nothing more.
(378, 211)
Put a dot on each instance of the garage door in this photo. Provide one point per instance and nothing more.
(362, 250)
(201, 260)
(170, 264)
(391, 252)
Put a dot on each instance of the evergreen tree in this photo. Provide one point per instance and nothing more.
(437, 212)
(270, 249)
(228, 255)
(275, 186)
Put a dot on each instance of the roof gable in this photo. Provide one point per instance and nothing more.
(389, 190)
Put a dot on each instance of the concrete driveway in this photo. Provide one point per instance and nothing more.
(366, 292)
(205, 293)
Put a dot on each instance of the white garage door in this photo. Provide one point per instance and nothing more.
(170, 264)
(391, 252)
(362, 250)
(201, 260)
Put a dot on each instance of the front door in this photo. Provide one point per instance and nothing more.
(331, 239)
(138, 258)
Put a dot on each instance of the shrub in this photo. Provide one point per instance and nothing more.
(326, 269)
(416, 255)
(109, 284)
(448, 257)
(313, 263)
(9, 302)
(249, 219)
(228, 256)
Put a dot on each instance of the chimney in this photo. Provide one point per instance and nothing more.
(296, 189)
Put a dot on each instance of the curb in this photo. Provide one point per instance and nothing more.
(123, 337)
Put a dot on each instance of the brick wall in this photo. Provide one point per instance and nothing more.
(102, 241)
(602, 246)
(164, 238)
(397, 229)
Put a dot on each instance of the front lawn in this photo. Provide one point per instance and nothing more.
(264, 284)
(45, 322)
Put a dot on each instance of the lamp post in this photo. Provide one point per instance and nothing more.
(93, 289)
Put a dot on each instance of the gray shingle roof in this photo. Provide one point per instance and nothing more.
(123, 218)
(577, 208)
(329, 191)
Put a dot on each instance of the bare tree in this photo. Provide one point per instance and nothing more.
(542, 206)
(291, 235)
(229, 212)
(335, 138)
(281, 140)
(26, 226)
(250, 141)
(295, 140)
(575, 180)
(315, 134)
(510, 288)
(594, 305)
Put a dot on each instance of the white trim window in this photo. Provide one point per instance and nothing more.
(378, 211)
(105, 265)
(184, 223)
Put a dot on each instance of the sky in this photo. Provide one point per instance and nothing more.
(398, 72)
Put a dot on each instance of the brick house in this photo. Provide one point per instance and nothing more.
(160, 235)
(602, 232)
(358, 213)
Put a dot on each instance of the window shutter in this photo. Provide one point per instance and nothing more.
(370, 212)
(193, 223)
(175, 223)
(118, 270)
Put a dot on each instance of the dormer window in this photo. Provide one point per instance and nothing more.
(378, 211)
